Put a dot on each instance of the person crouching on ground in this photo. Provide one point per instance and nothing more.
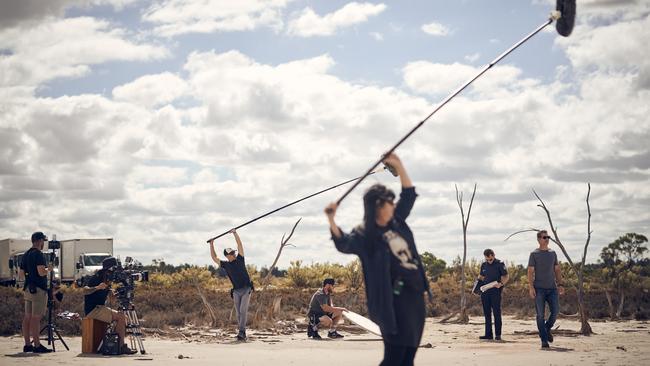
(322, 312)
(492, 270)
(95, 293)
(393, 274)
(242, 286)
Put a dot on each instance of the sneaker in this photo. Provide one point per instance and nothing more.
(28, 348)
(550, 335)
(486, 337)
(125, 350)
(311, 331)
(497, 338)
(545, 345)
(241, 336)
(41, 349)
(334, 335)
(316, 336)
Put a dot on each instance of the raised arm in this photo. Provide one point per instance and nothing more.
(213, 253)
(394, 161)
(345, 243)
(408, 195)
(240, 246)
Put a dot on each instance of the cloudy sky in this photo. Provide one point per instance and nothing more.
(163, 123)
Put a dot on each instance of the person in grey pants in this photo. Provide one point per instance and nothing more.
(235, 267)
(545, 286)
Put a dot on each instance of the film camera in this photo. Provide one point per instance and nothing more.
(125, 275)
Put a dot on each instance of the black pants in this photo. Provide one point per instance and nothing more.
(492, 304)
(395, 355)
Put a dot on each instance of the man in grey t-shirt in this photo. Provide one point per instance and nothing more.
(323, 312)
(544, 282)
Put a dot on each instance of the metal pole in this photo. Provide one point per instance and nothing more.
(296, 201)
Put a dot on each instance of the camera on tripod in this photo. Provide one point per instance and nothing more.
(54, 244)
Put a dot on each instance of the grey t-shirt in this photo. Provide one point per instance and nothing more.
(544, 262)
(319, 298)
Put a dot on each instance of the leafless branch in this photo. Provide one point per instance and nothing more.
(283, 243)
(520, 232)
(584, 254)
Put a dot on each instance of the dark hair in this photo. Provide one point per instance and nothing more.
(38, 236)
(328, 281)
(541, 233)
(374, 198)
(488, 252)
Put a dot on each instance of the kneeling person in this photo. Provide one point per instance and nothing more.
(323, 312)
(95, 294)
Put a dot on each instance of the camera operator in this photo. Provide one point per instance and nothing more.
(95, 293)
(34, 269)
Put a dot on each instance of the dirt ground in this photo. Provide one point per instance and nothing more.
(616, 343)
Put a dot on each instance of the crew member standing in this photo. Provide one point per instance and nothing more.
(492, 270)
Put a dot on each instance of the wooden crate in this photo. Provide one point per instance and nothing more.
(92, 332)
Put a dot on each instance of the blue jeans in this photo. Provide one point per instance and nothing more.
(543, 296)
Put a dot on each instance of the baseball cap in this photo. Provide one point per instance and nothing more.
(228, 251)
(109, 263)
(38, 236)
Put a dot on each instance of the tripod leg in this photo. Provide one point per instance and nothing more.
(60, 339)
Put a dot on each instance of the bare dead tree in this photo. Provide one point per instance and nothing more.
(208, 308)
(585, 328)
(284, 242)
(463, 317)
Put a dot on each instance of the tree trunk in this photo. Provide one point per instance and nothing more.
(621, 304)
(585, 328)
(463, 317)
(610, 305)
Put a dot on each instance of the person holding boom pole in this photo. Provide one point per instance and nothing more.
(392, 270)
(242, 286)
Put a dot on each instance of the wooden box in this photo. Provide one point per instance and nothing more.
(92, 332)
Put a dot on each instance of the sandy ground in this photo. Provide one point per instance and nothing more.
(616, 343)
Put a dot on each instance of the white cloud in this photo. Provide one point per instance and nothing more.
(377, 36)
(13, 13)
(151, 90)
(175, 17)
(66, 48)
(436, 79)
(436, 29)
(309, 24)
(473, 57)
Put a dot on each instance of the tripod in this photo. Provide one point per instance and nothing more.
(51, 326)
(133, 330)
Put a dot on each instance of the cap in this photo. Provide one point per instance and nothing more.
(328, 281)
(229, 251)
(109, 263)
(38, 236)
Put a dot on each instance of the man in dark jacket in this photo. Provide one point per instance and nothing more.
(492, 270)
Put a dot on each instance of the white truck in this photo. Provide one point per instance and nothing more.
(11, 253)
(82, 257)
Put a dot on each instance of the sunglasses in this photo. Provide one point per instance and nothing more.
(545, 237)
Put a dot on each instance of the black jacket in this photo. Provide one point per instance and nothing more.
(374, 254)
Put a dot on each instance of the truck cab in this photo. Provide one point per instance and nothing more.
(89, 263)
